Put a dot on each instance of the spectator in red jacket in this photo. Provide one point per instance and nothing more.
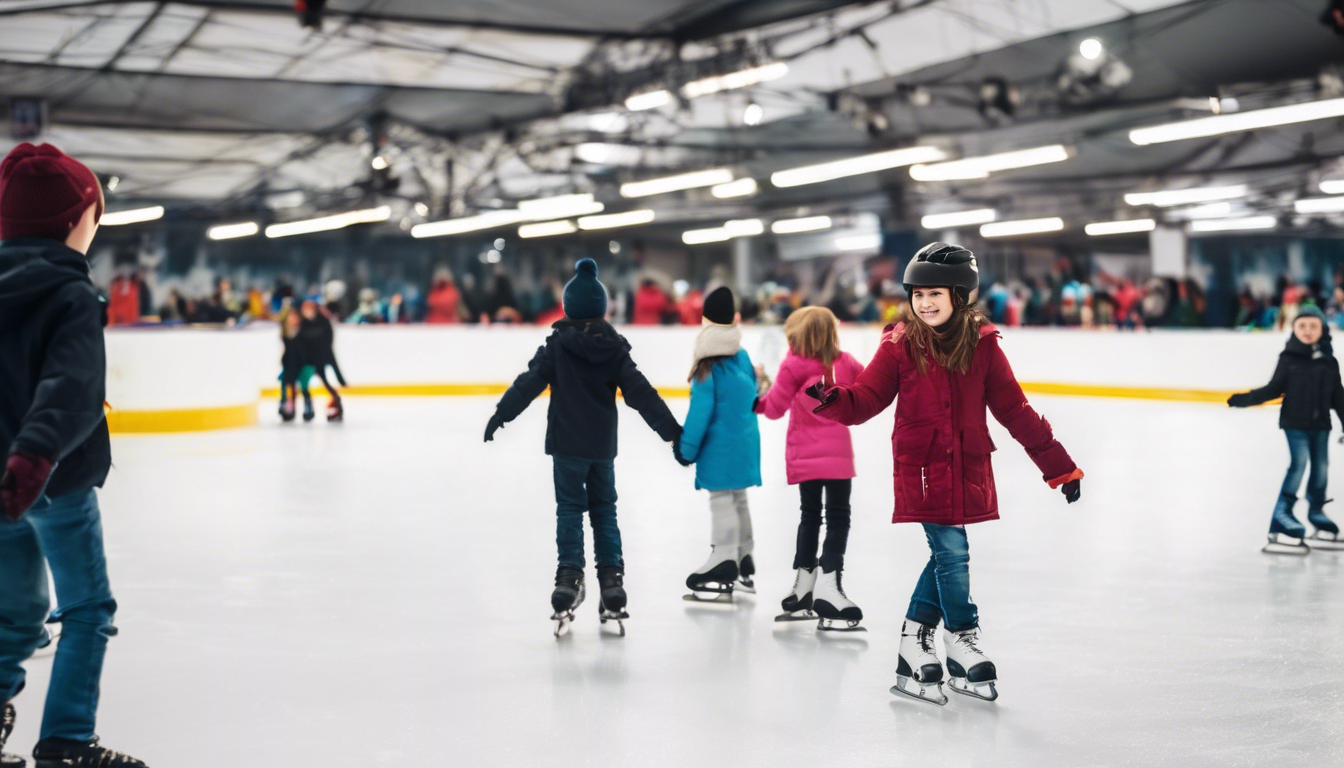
(444, 301)
(948, 368)
(651, 304)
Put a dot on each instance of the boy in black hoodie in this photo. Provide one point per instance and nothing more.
(1307, 378)
(583, 362)
(52, 425)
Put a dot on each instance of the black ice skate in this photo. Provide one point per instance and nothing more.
(335, 411)
(837, 612)
(6, 728)
(287, 409)
(972, 673)
(1326, 533)
(308, 413)
(798, 605)
(566, 598)
(611, 606)
(714, 581)
(64, 753)
(746, 569)
(1286, 534)
(919, 673)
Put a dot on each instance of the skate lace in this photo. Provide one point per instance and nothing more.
(969, 640)
(924, 636)
(838, 587)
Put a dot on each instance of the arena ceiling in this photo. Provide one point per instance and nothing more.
(214, 107)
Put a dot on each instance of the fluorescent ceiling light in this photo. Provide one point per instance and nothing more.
(958, 219)
(1333, 187)
(593, 152)
(1186, 196)
(612, 220)
(859, 243)
(1319, 205)
(1237, 122)
(133, 216)
(230, 231)
(1229, 225)
(547, 229)
(854, 166)
(980, 167)
(327, 223)
(1021, 227)
(740, 188)
(651, 100)
(487, 220)
(681, 181)
(1207, 211)
(1100, 228)
(805, 224)
(744, 227)
(734, 80)
(701, 236)
(560, 207)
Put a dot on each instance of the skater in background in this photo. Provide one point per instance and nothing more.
(316, 345)
(946, 364)
(584, 361)
(721, 437)
(53, 429)
(819, 458)
(294, 375)
(1307, 378)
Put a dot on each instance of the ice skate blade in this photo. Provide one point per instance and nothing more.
(745, 586)
(1280, 548)
(840, 625)
(908, 686)
(721, 598)
(1316, 542)
(562, 622)
(803, 615)
(984, 691)
(617, 618)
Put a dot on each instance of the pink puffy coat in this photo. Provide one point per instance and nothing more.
(816, 448)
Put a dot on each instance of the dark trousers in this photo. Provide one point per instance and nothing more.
(837, 524)
(586, 485)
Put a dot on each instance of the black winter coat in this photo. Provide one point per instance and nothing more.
(584, 362)
(53, 366)
(1309, 385)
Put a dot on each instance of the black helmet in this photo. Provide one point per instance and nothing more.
(944, 264)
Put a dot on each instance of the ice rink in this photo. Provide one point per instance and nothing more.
(376, 593)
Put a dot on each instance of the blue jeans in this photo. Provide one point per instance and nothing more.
(1305, 446)
(584, 484)
(67, 533)
(944, 588)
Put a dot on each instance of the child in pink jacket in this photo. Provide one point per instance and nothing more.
(820, 458)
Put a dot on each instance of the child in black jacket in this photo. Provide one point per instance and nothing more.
(583, 362)
(1307, 378)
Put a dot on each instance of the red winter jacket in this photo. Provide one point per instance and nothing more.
(941, 442)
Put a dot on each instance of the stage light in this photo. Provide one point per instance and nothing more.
(958, 219)
(1172, 197)
(1238, 122)
(231, 231)
(804, 224)
(855, 166)
(981, 167)
(676, 183)
(1127, 226)
(133, 216)
(1021, 227)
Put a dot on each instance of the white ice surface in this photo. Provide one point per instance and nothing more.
(376, 594)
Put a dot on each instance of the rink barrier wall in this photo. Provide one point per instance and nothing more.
(196, 379)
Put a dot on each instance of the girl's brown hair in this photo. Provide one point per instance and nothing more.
(700, 371)
(813, 333)
(952, 346)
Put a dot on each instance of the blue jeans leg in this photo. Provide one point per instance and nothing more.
(602, 513)
(948, 572)
(71, 532)
(1319, 447)
(1299, 456)
(24, 601)
(571, 501)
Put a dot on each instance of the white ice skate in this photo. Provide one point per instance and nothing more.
(714, 581)
(971, 672)
(919, 673)
(837, 612)
(798, 605)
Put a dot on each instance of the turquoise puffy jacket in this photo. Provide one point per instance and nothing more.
(721, 435)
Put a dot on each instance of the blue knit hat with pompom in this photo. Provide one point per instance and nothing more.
(585, 296)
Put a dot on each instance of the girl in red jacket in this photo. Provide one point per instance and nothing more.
(947, 366)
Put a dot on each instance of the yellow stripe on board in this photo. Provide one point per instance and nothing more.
(1133, 393)
(184, 420)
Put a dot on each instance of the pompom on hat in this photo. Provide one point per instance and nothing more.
(44, 192)
(585, 296)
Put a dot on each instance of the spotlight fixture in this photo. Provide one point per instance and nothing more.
(1091, 49)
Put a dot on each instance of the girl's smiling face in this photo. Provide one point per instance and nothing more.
(1308, 330)
(932, 305)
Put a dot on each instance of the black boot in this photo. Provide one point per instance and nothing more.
(611, 581)
(6, 728)
(308, 408)
(65, 753)
(568, 592)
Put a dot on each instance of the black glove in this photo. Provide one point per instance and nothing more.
(1072, 490)
(676, 453)
(1239, 400)
(496, 423)
(817, 391)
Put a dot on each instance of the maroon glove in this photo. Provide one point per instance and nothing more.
(25, 478)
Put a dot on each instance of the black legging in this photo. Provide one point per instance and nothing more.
(837, 524)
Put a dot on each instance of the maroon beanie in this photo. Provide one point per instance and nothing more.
(44, 193)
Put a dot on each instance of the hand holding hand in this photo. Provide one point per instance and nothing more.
(676, 453)
(1072, 490)
(496, 424)
(24, 479)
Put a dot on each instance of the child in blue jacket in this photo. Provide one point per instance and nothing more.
(721, 438)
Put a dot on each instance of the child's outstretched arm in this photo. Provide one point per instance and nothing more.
(1274, 389)
(641, 395)
(1010, 408)
(697, 418)
(869, 395)
(526, 388)
(776, 401)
